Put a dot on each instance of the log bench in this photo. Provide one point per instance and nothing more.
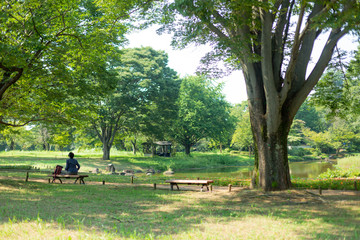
(203, 183)
(60, 176)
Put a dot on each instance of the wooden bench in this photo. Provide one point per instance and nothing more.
(203, 183)
(60, 176)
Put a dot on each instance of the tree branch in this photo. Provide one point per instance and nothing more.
(319, 68)
(22, 124)
(307, 37)
(6, 83)
(294, 55)
(267, 69)
(278, 50)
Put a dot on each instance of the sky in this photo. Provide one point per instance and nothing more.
(186, 61)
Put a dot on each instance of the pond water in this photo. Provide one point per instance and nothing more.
(297, 169)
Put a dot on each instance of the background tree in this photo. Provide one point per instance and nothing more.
(319, 140)
(313, 116)
(338, 90)
(258, 37)
(242, 137)
(203, 111)
(143, 86)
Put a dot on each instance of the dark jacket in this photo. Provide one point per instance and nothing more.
(72, 166)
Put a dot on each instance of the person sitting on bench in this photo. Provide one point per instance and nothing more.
(72, 165)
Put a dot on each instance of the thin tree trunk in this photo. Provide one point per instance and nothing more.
(106, 151)
(187, 149)
(133, 143)
(12, 145)
(220, 147)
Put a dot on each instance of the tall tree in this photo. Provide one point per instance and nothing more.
(144, 89)
(257, 36)
(203, 111)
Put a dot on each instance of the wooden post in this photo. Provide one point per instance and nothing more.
(132, 179)
(210, 188)
(320, 190)
(103, 182)
(49, 180)
(355, 185)
(154, 186)
(230, 187)
(27, 177)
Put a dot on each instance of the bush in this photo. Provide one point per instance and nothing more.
(340, 173)
(295, 159)
(298, 151)
(337, 184)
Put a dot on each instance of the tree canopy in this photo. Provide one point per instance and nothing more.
(203, 111)
(47, 48)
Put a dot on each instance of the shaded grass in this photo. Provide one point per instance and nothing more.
(53, 211)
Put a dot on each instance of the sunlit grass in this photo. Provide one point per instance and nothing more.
(349, 162)
(65, 211)
(91, 159)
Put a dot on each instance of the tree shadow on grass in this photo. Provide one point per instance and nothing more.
(125, 210)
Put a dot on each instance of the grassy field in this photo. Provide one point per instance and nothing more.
(122, 160)
(38, 210)
(120, 210)
(40, 164)
(350, 162)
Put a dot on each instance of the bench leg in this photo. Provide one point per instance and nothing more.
(172, 186)
(76, 180)
(55, 179)
(205, 185)
(82, 181)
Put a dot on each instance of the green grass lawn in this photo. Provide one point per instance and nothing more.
(119, 210)
(36, 210)
(122, 160)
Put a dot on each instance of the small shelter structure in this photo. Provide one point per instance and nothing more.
(163, 148)
(160, 148)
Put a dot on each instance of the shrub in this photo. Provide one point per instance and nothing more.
(298, 151)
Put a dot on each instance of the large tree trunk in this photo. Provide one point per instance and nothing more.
(272, 170)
